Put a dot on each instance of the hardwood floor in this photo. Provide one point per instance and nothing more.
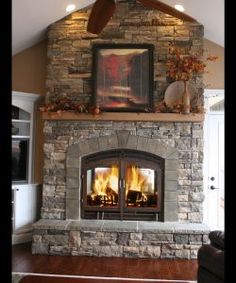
(55, 279)
(23, 261)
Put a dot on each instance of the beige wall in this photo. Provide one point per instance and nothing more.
(214, 79)
(29, 69)
(29, 75)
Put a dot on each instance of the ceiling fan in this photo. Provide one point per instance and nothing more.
(103, 10)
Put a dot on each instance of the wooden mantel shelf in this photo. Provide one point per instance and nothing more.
(124, 116)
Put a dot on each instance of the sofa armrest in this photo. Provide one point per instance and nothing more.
(217, 239)
(212, 259)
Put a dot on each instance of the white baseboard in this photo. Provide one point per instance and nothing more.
(21, 238)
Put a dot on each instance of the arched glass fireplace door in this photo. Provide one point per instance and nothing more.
(122, 184)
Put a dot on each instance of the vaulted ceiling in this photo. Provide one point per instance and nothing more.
(30, 19)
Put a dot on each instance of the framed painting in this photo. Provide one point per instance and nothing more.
(123, 77)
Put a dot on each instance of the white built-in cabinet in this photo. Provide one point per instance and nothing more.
(26, 195)
(26, 208)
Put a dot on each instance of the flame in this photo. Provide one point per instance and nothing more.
(105, 178)
(105, 188)
(135, 180)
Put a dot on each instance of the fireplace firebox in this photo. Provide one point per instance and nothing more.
(122, 184)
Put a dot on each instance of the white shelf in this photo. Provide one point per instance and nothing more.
(20, 121)
(20, 137)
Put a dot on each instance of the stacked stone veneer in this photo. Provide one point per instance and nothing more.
(69, 74)
(69, 69)
(179, 144)
(119, 238)
(61, 230)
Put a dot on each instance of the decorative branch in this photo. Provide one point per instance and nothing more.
(183, 67)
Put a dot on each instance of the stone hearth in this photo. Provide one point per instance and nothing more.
(119, 238)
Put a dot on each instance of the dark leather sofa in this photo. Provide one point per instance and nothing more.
(211, 259)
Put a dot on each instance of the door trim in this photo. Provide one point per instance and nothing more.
(207, 94)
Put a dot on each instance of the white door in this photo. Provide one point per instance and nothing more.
(214, 161)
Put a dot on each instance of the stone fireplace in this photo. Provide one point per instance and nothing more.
(122, 184)
(172, 230)
(158, 215)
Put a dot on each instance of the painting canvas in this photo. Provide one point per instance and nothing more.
(123, 75)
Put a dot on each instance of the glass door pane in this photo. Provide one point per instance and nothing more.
(102, 186)
(140, 189)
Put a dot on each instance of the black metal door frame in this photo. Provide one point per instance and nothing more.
(121, 158)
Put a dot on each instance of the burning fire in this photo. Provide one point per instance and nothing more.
(135, 179)
(105, 178)
(106, 183)
(108, 178)
(139, 186)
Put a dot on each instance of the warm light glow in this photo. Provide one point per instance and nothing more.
(139, 187)
(135, 180)
(70, 8)
(179, 7)
(105, 178)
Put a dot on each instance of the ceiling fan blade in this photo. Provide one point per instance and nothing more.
(101, 13)
(166, 9)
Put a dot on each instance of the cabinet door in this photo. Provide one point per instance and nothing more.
(25, 207)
